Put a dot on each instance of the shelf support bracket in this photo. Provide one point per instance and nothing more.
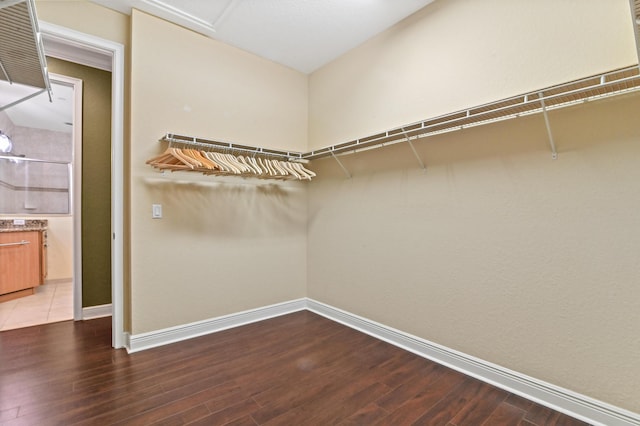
(344, 169)
(554, 153)
(422, 165)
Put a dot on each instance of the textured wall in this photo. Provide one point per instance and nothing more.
(224, 245)
(497, 250)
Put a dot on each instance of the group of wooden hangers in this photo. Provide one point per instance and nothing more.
(216, 163)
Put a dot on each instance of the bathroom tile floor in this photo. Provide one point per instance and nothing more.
(52, 302)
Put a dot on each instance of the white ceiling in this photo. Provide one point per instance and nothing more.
(301, 34)
(38, 112)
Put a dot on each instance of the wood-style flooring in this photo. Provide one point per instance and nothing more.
(297, 369)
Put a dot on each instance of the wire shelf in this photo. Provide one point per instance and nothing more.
(613, 83)
(601, 86)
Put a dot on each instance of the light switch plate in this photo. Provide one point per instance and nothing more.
(156, 211)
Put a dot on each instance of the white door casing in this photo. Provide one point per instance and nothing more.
(85, 49)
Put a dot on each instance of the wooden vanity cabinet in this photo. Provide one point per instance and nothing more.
(21, 263)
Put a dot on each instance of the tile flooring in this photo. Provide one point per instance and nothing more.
(52, 302)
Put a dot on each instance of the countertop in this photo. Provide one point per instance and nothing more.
(7, 225)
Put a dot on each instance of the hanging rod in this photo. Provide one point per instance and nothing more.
(209, 143)
(600, 86)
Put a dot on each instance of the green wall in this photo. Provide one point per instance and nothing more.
(96, 179)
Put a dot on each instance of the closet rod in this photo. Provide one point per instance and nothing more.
(600, 86)
(214, 144)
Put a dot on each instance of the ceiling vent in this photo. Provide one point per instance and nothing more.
(22, 59)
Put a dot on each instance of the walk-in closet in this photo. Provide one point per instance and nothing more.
(325, 212)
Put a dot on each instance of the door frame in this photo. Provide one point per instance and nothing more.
(75, 187)
(86, 49)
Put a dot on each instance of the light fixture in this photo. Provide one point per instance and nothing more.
(5, 143)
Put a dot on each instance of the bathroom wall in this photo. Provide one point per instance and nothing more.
(43, 187)
(33, 187)
(59, 247)
(6, 173)
(6, 125)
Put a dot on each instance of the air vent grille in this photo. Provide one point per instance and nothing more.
(21, 55)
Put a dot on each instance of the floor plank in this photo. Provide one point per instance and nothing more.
(299, 369)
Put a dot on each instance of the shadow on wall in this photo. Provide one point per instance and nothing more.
(228, 208)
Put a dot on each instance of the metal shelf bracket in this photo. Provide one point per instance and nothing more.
(554, 153)
(344, 169)
(422, 165)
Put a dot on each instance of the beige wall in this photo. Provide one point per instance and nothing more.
(456, 54)
(86, 17)
(224, 245)
(59, 247)
(497, 250)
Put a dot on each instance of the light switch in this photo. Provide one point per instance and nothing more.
(156, 211)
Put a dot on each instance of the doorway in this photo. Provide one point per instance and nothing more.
(89, 50)
(38, 194)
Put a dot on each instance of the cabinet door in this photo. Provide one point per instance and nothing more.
(19, 260)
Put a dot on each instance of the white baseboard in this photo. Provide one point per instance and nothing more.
(576, 405)
(138, 342)
(93, 312)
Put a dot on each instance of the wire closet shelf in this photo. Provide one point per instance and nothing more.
(601, 86)
(173, 138)
(613, 83)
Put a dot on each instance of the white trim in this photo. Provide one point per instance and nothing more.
(93, 312)
(580, 406)
(78, 45)
(75, 183)
(139, 342)
(61, 49)
(574, 404)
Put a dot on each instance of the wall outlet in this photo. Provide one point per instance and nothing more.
(156, 211)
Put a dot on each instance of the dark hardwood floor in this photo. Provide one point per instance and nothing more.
(298, 369)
